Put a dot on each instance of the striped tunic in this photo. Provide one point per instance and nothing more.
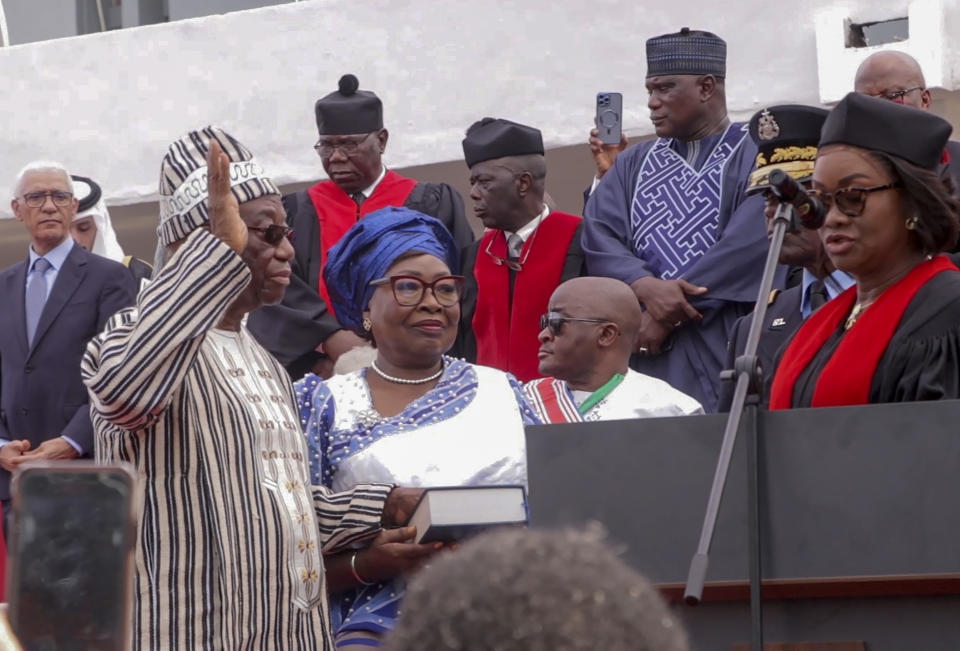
(231, 533)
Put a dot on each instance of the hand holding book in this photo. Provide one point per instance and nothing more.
(391, 554)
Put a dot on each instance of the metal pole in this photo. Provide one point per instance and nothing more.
(103, 23)
(4, 36)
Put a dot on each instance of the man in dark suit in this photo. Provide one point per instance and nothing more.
(786, 138)
(55, 302)
(525, 253)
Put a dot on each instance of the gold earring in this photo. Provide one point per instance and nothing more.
(367, 324)
(911, 223)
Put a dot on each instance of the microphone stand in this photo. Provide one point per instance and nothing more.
(749, 378)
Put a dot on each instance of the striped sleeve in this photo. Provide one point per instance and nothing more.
(134, 367)
(349, 516)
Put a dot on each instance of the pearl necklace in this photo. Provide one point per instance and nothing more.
(400, 380)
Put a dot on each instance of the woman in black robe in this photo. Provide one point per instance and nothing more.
(895, 336)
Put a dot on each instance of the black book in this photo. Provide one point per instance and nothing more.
(452, 513)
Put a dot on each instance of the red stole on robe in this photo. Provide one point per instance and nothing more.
(847, 376)
(337, 212)
(507, 334)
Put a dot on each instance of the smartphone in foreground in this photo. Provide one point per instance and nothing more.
(69, 581)
(609, 117)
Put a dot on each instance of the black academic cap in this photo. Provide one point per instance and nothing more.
(687, 52)
(912, 134)
(348, 110)
(491, 138)
(786, 137)
(86, 191)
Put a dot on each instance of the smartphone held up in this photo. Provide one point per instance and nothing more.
(609, 117)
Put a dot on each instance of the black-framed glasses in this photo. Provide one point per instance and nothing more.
(555, 321)
(349, 147)
(408, 291)
(850, 201)
(37, 199)
(274, 233)
(898, 96)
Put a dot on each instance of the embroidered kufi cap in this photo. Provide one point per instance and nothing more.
(786, 137)
(183, 181)
(916, 136)
(370, 248)
(688, 52)
(491, 138)
(348, 111)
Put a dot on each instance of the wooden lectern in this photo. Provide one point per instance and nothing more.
(860, 519)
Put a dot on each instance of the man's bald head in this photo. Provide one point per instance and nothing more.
(587, 353)
(885, 74)
(607, 296)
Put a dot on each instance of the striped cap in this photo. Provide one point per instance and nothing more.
(688, 52)
(183, 181)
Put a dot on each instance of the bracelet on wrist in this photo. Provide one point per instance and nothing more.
(353, 571)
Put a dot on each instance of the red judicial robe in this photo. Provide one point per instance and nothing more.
(499, 328)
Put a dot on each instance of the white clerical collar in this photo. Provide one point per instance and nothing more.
(531, 225)
(366, 192)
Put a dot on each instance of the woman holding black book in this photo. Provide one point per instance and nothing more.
(415, 417)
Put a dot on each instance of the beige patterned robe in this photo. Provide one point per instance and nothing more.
(231, 533)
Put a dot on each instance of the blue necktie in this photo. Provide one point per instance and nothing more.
(36, 296)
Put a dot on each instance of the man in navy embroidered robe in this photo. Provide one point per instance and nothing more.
(672, 220)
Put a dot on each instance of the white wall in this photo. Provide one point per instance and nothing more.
(108, 105)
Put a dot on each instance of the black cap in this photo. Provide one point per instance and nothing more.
(86, 191)
(786, 137)
(687, 52)
(491, 138)
(348, 110)
(912, 134)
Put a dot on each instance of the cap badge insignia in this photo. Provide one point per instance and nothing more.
(767, 127)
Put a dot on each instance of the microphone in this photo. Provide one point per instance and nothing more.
(809, 210)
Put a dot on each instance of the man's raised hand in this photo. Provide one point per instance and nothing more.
(225, 221)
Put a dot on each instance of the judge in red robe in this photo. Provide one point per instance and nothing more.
(895, 336)
(525, 253)
(351, 145)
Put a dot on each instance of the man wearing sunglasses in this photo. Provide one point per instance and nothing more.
(207, 417)
(786, 138)
(586, 339)
(54, 302)
(897, 77)
(526, 251)
(302, 330)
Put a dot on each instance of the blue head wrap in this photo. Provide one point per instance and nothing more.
(371, 247)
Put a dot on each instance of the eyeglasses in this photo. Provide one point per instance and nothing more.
(37, 199)
(273, 234)
(349, 147)
(408, 291)
(897, 96)
(514, 265)
(555, 321)
(850, 201)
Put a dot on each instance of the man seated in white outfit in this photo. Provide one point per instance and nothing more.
(586, 339)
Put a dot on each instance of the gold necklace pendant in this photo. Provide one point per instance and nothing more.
(855, 314)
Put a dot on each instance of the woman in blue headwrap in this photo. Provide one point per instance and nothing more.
(414, 417)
